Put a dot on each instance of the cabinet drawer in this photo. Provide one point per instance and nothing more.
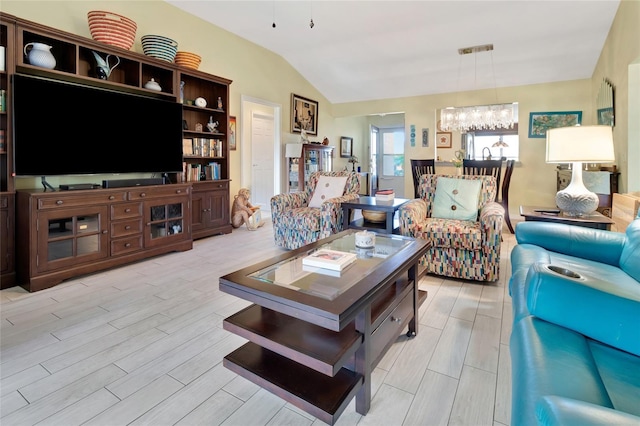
(126, 245)
(126, 210)
(158, 191)
(211, 185)
(391, 327)
(128, 227)
(80, 200)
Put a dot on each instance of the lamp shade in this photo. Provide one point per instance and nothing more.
(293, 150)
(584, 144)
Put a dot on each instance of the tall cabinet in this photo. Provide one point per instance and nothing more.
(7, 195)
(314, 158)
(206, 150)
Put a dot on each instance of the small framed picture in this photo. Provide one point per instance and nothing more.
(443, 139)
(346, 146)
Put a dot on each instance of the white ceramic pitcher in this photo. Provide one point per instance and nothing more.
(40, 55)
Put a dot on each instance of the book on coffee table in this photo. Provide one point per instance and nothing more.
(329, 259)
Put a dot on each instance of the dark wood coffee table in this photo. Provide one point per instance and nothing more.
(594, 220)
(370, 203)
(314, 339)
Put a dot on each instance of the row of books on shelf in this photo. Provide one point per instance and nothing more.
(202, 147)
(197, 172)
(385, 195)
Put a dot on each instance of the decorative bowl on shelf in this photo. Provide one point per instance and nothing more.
(111, 28)
(187, 59)
(374, 216)
(159, 47)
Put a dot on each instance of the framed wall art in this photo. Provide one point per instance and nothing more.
(304, 115)
(539, 122)
(443, 139)
(346, 146)
(232, 133)
(425, 138)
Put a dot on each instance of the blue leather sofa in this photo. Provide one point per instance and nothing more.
(575, 341)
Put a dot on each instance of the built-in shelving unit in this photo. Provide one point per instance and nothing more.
(113, 238)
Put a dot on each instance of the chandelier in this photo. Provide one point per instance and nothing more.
(479, 117)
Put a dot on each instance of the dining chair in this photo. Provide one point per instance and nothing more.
(419, 168)
(508, 171)
(483, 167)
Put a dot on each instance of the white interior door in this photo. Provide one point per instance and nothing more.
(262, 160)
(390, 159)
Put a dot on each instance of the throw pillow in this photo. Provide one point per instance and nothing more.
(456, 199)
(327, 187)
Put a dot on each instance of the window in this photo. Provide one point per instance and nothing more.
(392, 151)
(482, 142)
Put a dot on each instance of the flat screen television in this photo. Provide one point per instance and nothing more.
(63, 128)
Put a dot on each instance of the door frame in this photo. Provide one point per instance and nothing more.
(245, 139)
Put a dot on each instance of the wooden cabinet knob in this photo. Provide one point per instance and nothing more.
(127, 210)
(127, 245)
(142, 195)
(111, 197)
(127, 227)
(105, 232)
(59, 202)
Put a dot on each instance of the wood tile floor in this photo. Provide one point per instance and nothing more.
(143, 345)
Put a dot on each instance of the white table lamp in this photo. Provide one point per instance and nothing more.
(577, 145)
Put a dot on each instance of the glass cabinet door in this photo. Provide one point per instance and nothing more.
(71, 236)
(166, 219)
(326, 160)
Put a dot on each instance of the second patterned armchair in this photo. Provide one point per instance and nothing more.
(460, 218)
(299, 218)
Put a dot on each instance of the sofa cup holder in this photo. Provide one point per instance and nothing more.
(564, 271)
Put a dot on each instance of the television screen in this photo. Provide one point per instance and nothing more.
(63, 128)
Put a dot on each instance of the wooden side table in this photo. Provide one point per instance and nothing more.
(370, 203)
(594, 220)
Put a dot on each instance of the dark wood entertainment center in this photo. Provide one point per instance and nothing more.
(69, 233)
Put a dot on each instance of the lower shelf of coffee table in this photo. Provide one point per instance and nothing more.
(320, 395)
(321, 349)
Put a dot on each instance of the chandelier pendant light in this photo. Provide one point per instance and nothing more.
(479, 117)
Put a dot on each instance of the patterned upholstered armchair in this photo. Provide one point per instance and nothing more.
(295, 224)
(467, 249)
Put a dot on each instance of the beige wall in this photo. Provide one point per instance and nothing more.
(620, 58)
(261, 74)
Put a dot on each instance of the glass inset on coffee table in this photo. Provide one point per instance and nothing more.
(291, 273)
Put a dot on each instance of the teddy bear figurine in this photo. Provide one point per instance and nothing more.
(242, 210)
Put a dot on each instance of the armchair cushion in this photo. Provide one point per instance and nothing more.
(456, 199)
(327, 187)
(462, 234)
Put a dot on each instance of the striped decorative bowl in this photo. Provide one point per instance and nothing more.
(188, 59)
(159, 47)
(111, 28)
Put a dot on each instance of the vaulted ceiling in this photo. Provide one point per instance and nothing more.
(362, 50)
